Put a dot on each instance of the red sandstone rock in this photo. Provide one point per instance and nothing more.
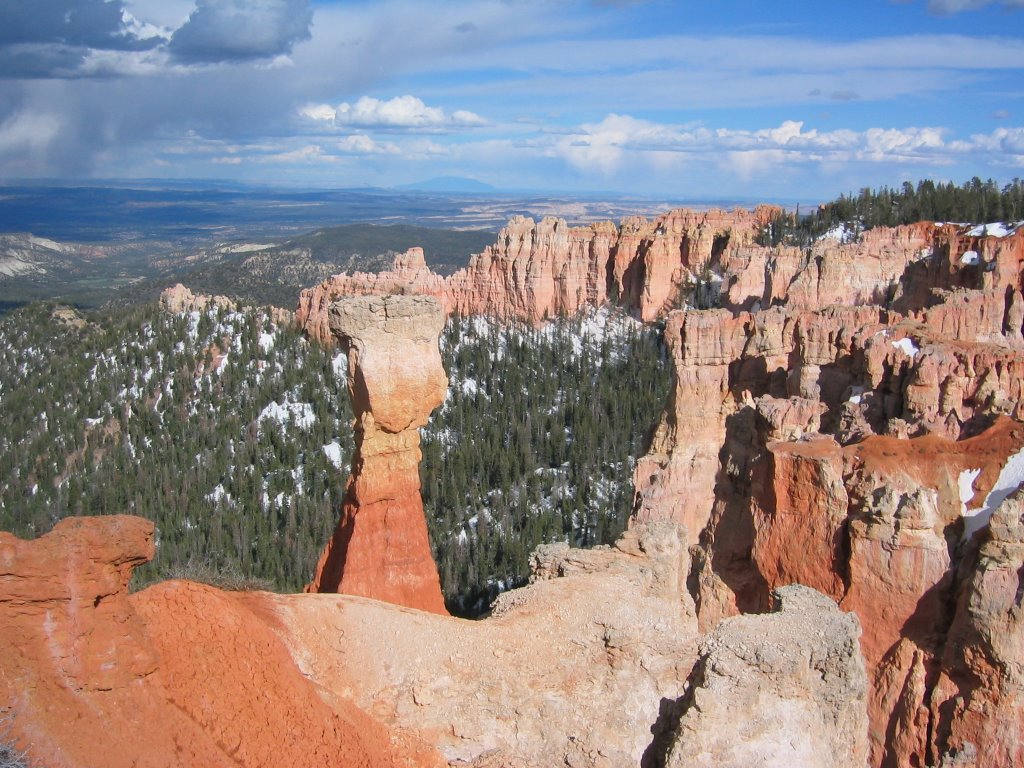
(177, 675)
(536, 271)
(978, 703)
(380, 548)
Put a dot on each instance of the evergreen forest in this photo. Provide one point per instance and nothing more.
(234, 436)
(974, 202)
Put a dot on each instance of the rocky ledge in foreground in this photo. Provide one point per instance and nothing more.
(588, 666)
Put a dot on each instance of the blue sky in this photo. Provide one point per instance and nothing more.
(771, 101)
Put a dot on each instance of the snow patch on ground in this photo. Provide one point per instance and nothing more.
(333, 452)
(1009, 480)
(995, 229)
(267, 341)
(969, 258)
(299, 414)
(340, 365)
(966, 485)
(841, 233)
(908, 346)
(218, 494)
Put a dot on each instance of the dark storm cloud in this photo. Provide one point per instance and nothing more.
(52, 38)
(239, 30)
(75, 23)
(33, 60)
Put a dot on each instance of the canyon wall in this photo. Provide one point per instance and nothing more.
(862, 435)
(849, 419)
(540, 270)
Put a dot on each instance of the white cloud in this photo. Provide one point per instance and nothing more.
(310, 153)
(404, 112)
(360, 144)
(619, 139)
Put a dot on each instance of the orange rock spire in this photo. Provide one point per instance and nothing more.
(380, 548)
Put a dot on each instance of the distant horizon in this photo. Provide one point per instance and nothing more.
(298, 187)
(728, 100)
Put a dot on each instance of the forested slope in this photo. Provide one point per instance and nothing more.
(233, 435)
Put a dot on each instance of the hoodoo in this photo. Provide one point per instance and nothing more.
(380, 547)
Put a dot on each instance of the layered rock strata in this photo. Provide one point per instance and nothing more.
(540, 270)
(864, 450)
(380, 548)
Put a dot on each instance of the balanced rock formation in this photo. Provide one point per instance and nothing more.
(380, 548)
(409, 274)
(780, 689)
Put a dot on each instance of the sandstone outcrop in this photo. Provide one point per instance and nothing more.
(540, 270)
(180, 674)
(178, 299)
(380, 548)
(780, 689)
(572, 670)
(978, 702)
(254, 679)
(862, 450)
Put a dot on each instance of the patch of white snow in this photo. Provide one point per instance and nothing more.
(908, 346)
(1010, 478)
(333, 452)
(995, 229)
(300, 414)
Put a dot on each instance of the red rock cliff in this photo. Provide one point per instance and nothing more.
(177, 675)
(863, 451)
(535, 271)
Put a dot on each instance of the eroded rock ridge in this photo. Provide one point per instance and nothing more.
(861, 435)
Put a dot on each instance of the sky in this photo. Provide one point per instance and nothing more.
(695, 100)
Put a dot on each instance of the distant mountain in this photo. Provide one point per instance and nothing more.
(275, 272)
(448, 184)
